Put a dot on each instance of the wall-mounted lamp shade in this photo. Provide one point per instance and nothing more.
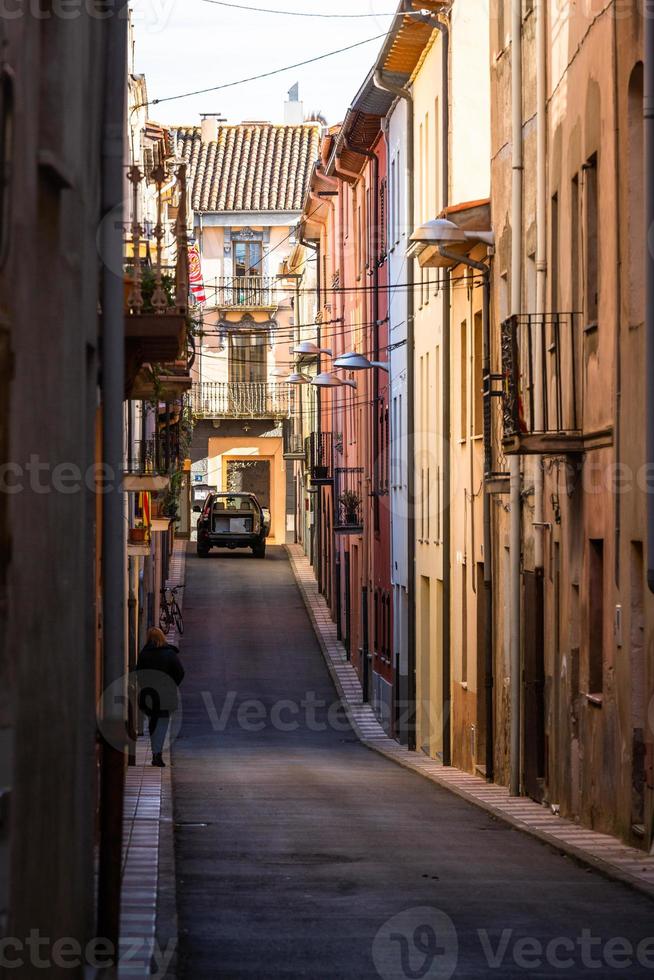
(308, 347)
(440, 231)
(298, 379)
(358, 362)
(427, 239)
(328, 380)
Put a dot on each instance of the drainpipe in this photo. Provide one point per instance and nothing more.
(386, 85)
(488, 563)
(515, 502)
(113, 548)
(541, 266)
(648, 126)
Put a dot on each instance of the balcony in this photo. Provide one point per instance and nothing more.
(547, 421)
(241, 400)
(293, 440)
(245, 293)
(149, 463)
(320, 457)
(348, 499)
(156, 274)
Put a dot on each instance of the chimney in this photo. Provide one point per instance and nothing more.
(209, 128)
(293, 108)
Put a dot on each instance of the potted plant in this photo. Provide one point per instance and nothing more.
(138, 533)
(350, 503)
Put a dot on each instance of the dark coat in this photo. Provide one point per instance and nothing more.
(159, 673)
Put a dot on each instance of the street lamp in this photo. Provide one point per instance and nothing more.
(358, 362)
(308, 347)
(326, 379)
(443, 232)
(297, 378)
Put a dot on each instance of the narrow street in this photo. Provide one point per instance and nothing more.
(295, 847)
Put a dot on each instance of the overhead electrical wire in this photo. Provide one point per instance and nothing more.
(470, 279)
(302, 13)
(266, 74)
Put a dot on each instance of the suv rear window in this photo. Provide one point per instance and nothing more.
(234, 503)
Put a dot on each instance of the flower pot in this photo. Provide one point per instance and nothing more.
(137, 535)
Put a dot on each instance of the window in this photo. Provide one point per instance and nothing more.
(398, 217)
(426, 173)
(464, 379)
(464, 626)
(575, 244)
(636, 195)
(247, 357)
(478, 379)
(393, 207)
(591, 250)
(554, 254)
(6, 157)
(382, 220)
(437, 160)
(595, 615)
(247, 258)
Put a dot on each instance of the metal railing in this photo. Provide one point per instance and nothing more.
(320, 455)
(161, 284)
(241, 399)
(232, 292)
(548, 346)
(293, 439)
(158, 455)
(348, 499)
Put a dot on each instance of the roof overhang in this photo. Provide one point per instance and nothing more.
(399, 57)
(469, 216)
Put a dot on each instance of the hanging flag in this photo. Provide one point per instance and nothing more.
(196, 282)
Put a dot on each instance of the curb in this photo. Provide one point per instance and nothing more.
(428, 769)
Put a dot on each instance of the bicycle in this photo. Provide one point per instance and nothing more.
(170, 614)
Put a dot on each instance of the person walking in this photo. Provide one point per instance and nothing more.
(159, 673)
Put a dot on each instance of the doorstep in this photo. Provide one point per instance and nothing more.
(605, 854)
(148, 927)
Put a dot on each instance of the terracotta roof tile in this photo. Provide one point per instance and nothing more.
(250, 167)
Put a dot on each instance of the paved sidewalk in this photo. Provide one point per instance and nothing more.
(143, 832)
(607, 855)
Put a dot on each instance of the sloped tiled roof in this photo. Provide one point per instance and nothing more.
(250, 167)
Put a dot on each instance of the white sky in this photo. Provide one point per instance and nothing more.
(183, 45)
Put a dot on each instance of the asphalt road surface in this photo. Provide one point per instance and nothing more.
(301, 853)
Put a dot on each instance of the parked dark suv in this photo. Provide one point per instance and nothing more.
(233, 520)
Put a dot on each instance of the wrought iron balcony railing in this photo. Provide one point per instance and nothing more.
(158, 284)
(293, 440)
(546, 418)
(241, 400)
(348, 499)
(243, 292)
(320, 459)
(157, 456)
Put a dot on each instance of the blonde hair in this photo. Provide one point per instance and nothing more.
(156, 637)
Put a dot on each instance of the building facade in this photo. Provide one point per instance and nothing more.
(247, 187)
(585, 607)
